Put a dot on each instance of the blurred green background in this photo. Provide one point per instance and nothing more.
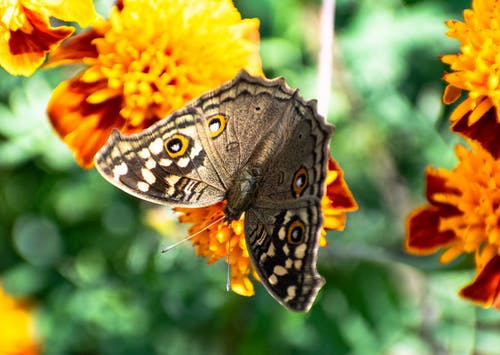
(80, 249)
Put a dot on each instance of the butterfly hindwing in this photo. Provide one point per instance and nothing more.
(283, 248)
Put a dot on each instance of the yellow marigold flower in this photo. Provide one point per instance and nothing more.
(26, 35)
(475, 69)
(463, 216)
(150, 58)
(16, 327)
(211, 242)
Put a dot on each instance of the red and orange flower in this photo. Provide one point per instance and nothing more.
(26, 35)
(17, 335)
(475, 70)
(148, 59)
(463, 216)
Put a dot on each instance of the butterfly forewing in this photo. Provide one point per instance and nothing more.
(251, 107)
(166, 163)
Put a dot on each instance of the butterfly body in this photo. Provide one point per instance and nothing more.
(241, 194)
(254, 143)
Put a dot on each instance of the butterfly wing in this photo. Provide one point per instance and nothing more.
(283, 226)
(284, 252)
(167, 163)
(249, 107)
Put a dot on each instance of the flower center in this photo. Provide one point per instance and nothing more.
(138, 63)
(478, 226)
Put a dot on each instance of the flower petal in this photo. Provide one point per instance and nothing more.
(337, 200)
(338, 191)
(16, 328)
(485, 289)
(74, 49)
(79, 11)
(436, 185)
(242, 286)
(481, 130)
(85, 127)
(451, 94)
(424, 236)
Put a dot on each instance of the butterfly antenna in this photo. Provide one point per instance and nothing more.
(170, 247)
(228, 278)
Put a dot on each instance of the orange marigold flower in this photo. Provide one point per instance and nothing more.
(463, 216)
(26, 35)
(475, 69)
(212, 241)
(337, 201)
(16, 327)
(149, 58)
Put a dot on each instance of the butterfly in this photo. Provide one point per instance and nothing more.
(258, 145)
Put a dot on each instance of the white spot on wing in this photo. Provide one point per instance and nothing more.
(193, 153)
(172, 180)
(165, 162)
(170, 191)
(150, 164)
(196, 150)
(189, 131)
(120, 170)
(144, 187)
(298, 264)
(156, 147)
(282, 234)
(148, 176)
(273, 280)
(300, 251)
(271, 251)
(144, 153)
(291, 292)
(183, 162)
(280, 270)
